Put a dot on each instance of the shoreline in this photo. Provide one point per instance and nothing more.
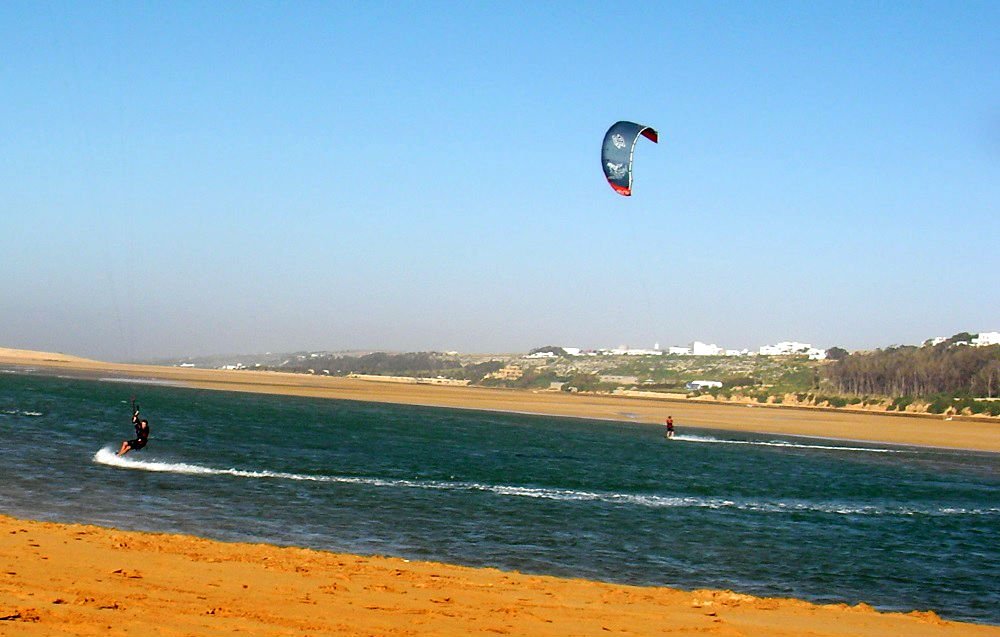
(853, 426)
(58, 579)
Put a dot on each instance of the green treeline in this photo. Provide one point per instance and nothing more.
(946, 368)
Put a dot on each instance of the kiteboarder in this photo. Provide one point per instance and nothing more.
(141, 432)
(670, 426)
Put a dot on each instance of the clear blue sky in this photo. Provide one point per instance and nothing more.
(189, 178)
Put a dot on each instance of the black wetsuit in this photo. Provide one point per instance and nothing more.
(141, 432)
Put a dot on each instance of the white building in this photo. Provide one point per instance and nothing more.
(628, 351)
(680, 351)
(643, 352)
(703, 384)
(541, 355)
(816, 354)
(785, 348)
(704, 349)
(986, 338)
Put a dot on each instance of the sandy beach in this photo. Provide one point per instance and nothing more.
(66, 579)
(845, 425)
(83, 580)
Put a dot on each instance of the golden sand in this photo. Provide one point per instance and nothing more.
(84, 580)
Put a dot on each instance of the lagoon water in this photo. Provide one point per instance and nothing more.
(901, 528)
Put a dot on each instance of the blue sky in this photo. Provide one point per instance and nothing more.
(190, 178)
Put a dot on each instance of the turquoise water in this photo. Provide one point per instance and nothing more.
(900, 528)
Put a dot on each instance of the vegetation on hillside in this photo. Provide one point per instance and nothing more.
(949, 377)
(925, 371)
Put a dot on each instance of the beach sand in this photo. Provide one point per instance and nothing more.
(83, 580)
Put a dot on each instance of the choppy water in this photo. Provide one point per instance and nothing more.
(901, 528)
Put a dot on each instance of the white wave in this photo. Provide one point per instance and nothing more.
(781, 443)
(106, 456)
(18, 412)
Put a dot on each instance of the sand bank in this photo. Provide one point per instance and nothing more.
(871, 427)
(85, 580)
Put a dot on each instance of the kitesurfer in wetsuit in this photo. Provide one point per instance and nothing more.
(670, 426)
(141, 432)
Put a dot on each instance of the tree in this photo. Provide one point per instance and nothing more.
(917, 371)
(837, 353)
(987, 381)
(961, 337)
(549, 349)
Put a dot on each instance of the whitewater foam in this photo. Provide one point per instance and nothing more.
(107, 457)
(782, 443)
(19, 412)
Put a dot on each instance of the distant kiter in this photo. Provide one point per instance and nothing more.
(670, 426)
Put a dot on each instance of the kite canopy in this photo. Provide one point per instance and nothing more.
(616, 154)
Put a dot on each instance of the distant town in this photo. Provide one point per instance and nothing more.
(955, 376)
(784, 348)
(695, 349)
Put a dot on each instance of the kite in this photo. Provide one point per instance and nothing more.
(616, 154)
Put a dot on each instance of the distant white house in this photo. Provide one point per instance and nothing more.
(816, 354)
(696, 385)
(541, 355)
(629, 351)
(680, 351)
(982, 340)
(785, 348)
(986, 338)
(704, 349)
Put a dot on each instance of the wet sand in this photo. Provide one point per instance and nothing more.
(84, 580)
(835, 424)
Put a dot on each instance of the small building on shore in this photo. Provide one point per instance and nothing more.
(698, 385)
